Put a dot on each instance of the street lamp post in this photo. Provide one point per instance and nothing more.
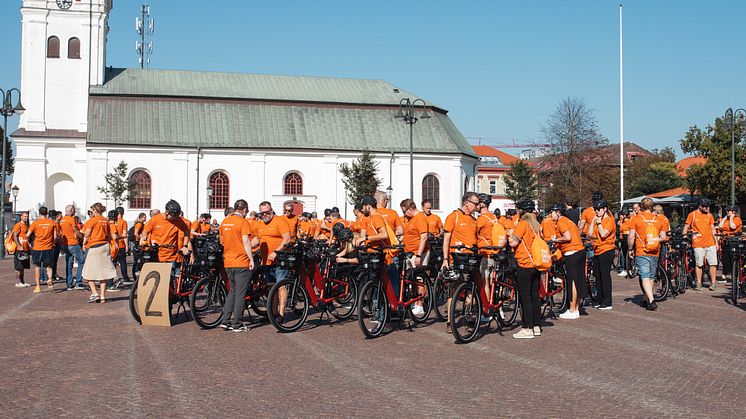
(730, 121)
(406, 112)
(6, 110)
(209, 199)
(14, 191)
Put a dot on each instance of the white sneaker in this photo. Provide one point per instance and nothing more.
(418, 310)
(570, 315)
(20, 285)
(524, 334)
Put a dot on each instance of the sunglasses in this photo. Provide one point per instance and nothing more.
(264, 213)
(473, 203)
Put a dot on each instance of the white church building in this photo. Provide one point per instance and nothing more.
(252, 136)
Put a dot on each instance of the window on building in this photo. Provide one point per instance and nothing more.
(139, 195)
(220, 190)
(493, 187)
(53, 47)
(293, 184)
(73, 48)
(431, 190)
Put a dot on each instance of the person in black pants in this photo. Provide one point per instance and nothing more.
(238, 262)
(603, 232)
(527, 276)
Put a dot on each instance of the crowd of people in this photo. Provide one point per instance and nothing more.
(103, 242)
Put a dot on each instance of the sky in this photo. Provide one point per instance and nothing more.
(499, 67)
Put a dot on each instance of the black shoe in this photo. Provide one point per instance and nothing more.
(240, 328)
(280, 319)
(225, 326)
(597, 305)
(644, 303)
(652, 306)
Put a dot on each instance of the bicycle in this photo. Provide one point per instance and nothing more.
(590, 274)
(736, 245)
(312, 283)
(377, 298)
(552, 290)
(675, 263)
(661, 283)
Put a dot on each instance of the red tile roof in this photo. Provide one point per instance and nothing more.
(688, 162)
(670, 193)
(487, 151)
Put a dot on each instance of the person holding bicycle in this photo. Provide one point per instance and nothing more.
(602, 229)
(527, 276)
(272, 235)
(238, 261)
(730, 225)
(642, 244)
(702, 224)
(169, 231)
(569, 243)
(415, 241)
(485, 223)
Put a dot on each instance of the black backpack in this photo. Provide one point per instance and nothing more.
(131, 233)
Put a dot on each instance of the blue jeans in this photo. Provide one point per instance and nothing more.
(647, 266)
(276, 273)
(394, 273)
(73, 252)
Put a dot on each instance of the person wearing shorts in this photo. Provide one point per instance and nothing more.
(646, 261)
(44, 231)
(21, 256)
(701, 223)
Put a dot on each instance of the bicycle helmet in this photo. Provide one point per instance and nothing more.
(497, 212)
(336, 229)
(556, 207)
(120, 210)
(345, 234)
(327, 212)
(705, 202)
(525, 204)
(601, 203)
(173, 208)
(112, 215)
(306, 215)
(511, 212)
(731, 208)
(485, 199)
(335, 210)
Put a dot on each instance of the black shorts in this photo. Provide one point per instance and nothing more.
(42, 258)
(21, 260)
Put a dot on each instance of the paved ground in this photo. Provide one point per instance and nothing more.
(63, 357)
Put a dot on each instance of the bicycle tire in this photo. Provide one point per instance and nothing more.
(615, 259)
(296, 305)
(592, 284)
(372, 309)
(681, 277)
(441, 290)
(206, 302)
(465, 312)
(558, 300)
(631, 268)
(510, 303)
(133, 303)
(660, 285)
(427, 302)
(735, 275)
(344, 305)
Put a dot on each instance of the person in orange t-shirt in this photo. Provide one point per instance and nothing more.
(21, 256)
(589, 213)
(602, 229)
(305, 226)
(44, 231)
(415, 241)
(434, 223)
(646, 262)
(391, 217)
(485, 222)
(201, 225)
(97, 235)
(170, 233)
(238, 261)
(273, 235)
(291, 219)
(527, 276)
(71, 236)
(702, 224)
(122, 245)
(730, 225)
(573, 251)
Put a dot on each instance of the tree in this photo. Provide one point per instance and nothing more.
(520, 181)
(712, 179)
(117, 186)
(361, 177)
(659, 176)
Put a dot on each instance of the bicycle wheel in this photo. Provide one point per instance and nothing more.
(615, 259)
(660, 285)
(735, 286)
(133, 303)
(681, 278)
(372, 309)
(259, 295)
(557, 292)
(441, 290)
(465, 312)
(631, 268)
(344, 305)
(427, 302)
(294, 308)
(207, 301)
(507, 294)
(592, 284)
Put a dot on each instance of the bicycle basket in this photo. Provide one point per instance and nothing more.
(370, 261)
(466, 262)
(286, 259)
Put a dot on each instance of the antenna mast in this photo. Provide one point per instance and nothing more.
(145, 26)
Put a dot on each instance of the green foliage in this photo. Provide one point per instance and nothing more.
(659, 176)
(520, 181)
(117, 186)
(361, 177)
(714, 143)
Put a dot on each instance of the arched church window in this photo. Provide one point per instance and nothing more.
(53, 47)
(220, 190)
(139, 195)
(73, 48)
(293, 184)
(431, 190)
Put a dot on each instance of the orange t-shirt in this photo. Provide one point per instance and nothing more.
(403, 220)
(565, 224)
(609, 243)
(663, 219)
(434, 224)
(522, 252)
(412, 231)
(304, 228)
(139, 226)
(548, 229)
(199, 228)
(356, 225)
(43, 230)
(625, 226)
(588, 215)
(727, 231)
(514, 221)
(22, 229)
(639, 223)
(701, 224)
(67, 229)
(171, 234)
(292, 225)
(232, 230)
(99, 231)
(505, 221)
(463, 229)
(121, 233)
(485, 222)
(270, 236)
(372, 225)
(391, 217)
